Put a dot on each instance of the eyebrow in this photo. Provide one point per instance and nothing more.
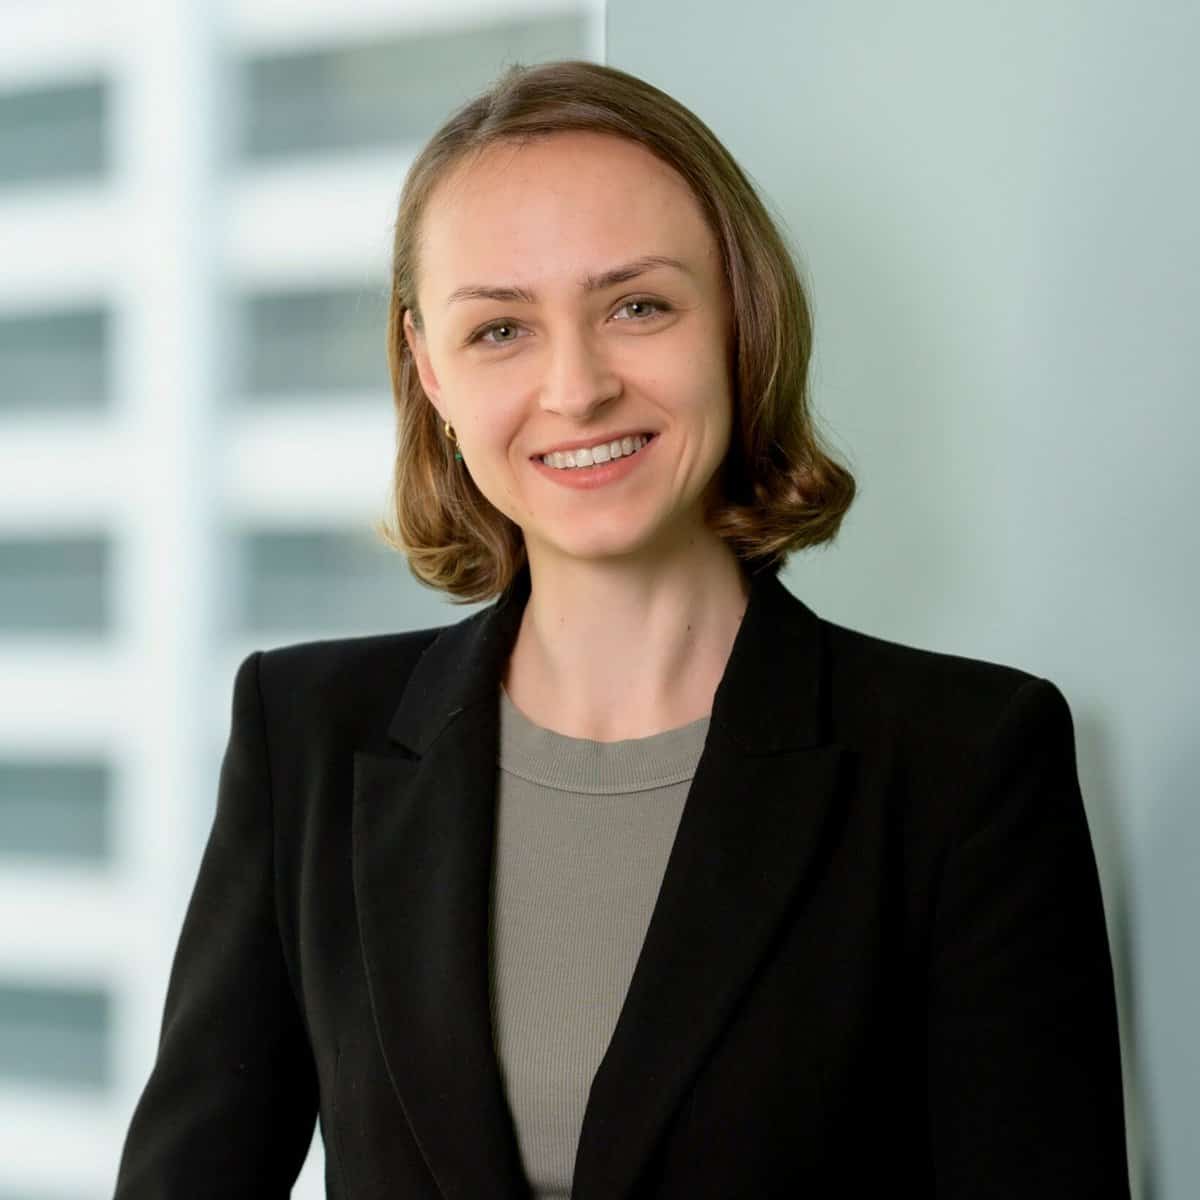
(590, 283)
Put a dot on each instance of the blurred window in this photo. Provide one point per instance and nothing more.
(322, 581)
(313, 342)
(54, 361)
(55, 810)
(57, 585)
(54, 1035)
(388, 92)
(53, 134)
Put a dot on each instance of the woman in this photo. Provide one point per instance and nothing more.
(645, 880)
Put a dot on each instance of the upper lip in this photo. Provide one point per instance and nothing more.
(595, 440)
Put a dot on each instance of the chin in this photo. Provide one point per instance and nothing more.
(598, 551)
(608, 544)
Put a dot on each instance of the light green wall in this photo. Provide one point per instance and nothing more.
(996, 208)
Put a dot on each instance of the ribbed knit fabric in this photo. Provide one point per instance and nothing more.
(583, 831)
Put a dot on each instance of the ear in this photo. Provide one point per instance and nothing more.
(420, 355)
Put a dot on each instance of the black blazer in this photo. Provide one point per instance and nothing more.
(878, 961)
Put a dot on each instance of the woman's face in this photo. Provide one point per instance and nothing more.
(545, 326)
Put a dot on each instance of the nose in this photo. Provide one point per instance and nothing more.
(579, 377)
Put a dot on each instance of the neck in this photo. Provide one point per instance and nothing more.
(610, 650)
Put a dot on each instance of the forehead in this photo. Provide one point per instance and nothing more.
(564, 204)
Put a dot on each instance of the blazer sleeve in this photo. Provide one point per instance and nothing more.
(1024, 1077)
(229, 1107)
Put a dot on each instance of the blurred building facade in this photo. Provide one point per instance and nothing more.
(195, 440)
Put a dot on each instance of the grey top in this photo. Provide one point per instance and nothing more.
(583, 831)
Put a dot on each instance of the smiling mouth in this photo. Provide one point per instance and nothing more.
(583, 458)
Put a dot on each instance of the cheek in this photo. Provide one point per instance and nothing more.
(482, 390)
(716, 402)
(692, 372)
(710, 390)
(494, 421)
(490, 430)
(481, 405)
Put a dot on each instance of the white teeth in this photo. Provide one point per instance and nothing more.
(586, 457)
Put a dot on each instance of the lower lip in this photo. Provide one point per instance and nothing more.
(585, 478)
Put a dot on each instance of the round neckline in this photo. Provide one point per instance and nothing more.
(556, 760)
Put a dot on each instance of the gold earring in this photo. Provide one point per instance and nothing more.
(450, 435)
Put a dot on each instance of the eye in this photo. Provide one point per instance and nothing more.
(651, 308)
(496, 326)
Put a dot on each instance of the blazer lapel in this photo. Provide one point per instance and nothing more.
(422, 848)
(423, 836)
(748, 837)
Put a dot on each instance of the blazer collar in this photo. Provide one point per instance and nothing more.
(778, 651)
(423, 827)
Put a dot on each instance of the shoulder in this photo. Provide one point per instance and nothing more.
(954, 741)
(338, 688)
(945, 707)
(333, 661)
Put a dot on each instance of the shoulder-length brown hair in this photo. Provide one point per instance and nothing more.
(781, 490)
